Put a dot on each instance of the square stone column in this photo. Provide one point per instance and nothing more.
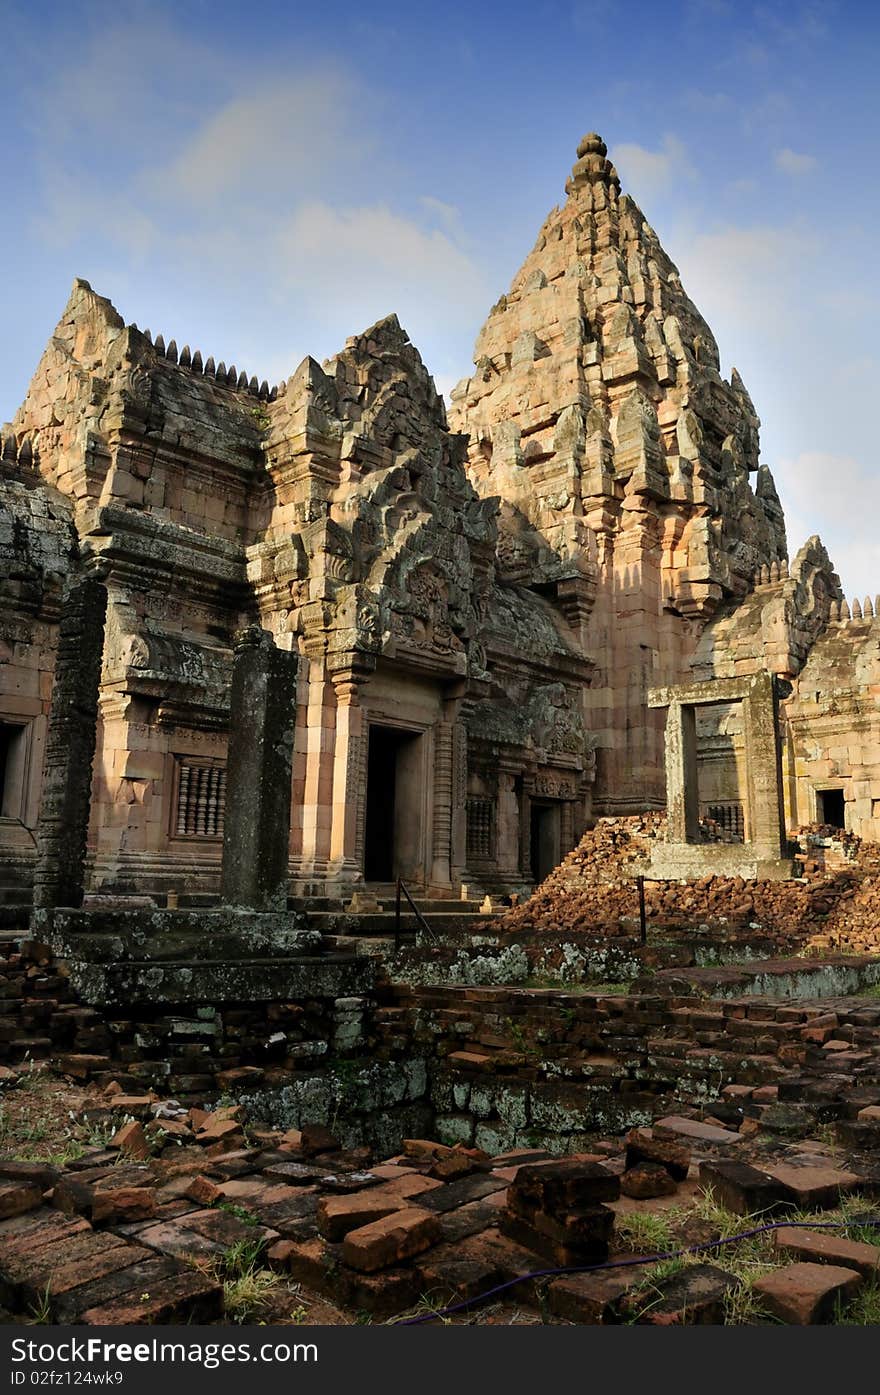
(256, 831)
(62, 828)
(349, 777)
(764, 764)
(682, 791)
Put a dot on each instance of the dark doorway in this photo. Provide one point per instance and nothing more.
(831, 807)
(544, 839)
(12, 763)
(394, 790)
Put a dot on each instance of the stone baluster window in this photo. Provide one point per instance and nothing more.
(480, 818)
(729, 818)
(201, 798)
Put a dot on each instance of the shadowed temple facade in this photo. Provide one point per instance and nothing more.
(572, 596)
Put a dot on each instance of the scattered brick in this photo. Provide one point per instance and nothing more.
(337, 1215)
(829, 1247)
(385, 1242)
(132, 1140)
(814, 1188)
(693, 1297)
(646, 1180)
(804, 1294)
(743, 1189)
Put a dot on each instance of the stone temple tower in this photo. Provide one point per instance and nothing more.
(627, 465)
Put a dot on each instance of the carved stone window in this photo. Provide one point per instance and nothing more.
(200, 801)
(480, 822)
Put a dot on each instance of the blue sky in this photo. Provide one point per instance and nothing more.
(263, 180)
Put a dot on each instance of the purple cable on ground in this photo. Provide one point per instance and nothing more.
(632, 1263)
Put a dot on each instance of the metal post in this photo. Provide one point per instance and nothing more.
(643, 919)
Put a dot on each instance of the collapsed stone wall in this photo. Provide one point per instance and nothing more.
(834, 905)
(551, 1070)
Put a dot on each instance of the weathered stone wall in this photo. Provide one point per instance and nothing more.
(37, 554)
(833, 723)
(59, 873)
(796, 624)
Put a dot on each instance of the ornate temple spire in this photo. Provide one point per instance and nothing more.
(592, 165)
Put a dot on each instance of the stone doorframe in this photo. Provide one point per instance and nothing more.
(683, 855)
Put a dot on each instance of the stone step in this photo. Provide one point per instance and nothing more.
(383, 923)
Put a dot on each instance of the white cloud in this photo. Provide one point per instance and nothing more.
(831, 495)
(749, 278)
(649, 172)
(265, 144)
(368, 261)
(790, 162)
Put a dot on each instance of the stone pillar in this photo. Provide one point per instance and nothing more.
(441, 867)
(682, 792)
(349, 778)
(256, 833)
(458, 819)
(320, 746)
(59, 874)
(764, 766)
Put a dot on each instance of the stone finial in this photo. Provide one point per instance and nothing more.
(252, 637)
(242, 381)
(220, 372)
(210, 369)
(592, 165)
(231, 376)
(185, 359)
(844, 609)
(856, 609)
(867, 608)
(159, 344)
(171, 351)
(148, 336)
(254, 386)
(25, 453)
(877, 605)
(197, 364)
(10, 448)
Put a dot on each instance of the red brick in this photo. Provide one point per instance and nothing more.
(203, 1190)
(643, 1146)
(123, 1204)
(829, 1247)
(18, 1197)
(397, 1237)
(337, 1215)
(190, 1296)
(814, 1188)
(132, 1140)
(805, 1294)
(646, 1180)
(592, 1299)
(692, 1297)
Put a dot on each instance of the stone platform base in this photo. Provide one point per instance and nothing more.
(144, 934)
(220, 955)
(218, 981)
